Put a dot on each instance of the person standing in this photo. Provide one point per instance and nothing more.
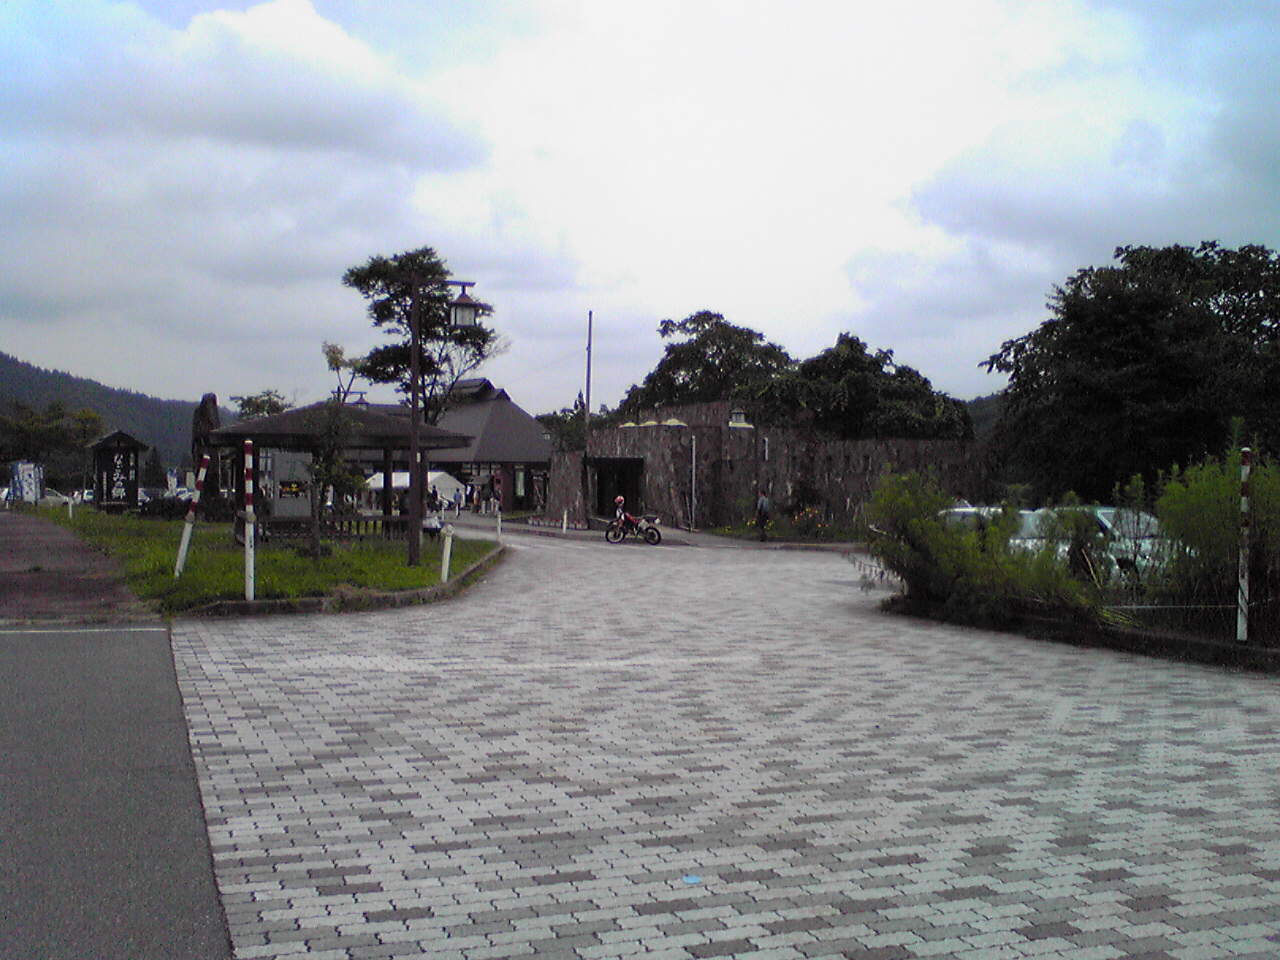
(762, 512)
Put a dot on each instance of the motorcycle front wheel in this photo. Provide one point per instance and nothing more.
(652, 536)
(614, 533)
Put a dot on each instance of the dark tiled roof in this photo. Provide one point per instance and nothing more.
(502, 433)
(500, 430)
(369, 429)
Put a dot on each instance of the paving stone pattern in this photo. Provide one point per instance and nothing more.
(691, 753)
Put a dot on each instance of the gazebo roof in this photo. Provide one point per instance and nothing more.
(368, 430)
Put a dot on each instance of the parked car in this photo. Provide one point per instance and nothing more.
(1132, 539)
(52, 498)
(971, 518)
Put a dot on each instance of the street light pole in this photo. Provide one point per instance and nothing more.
(415, 375)
(463, 312)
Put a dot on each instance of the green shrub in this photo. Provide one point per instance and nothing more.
(1200, 508)
(968, 575)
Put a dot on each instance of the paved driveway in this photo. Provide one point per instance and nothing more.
(682, 752)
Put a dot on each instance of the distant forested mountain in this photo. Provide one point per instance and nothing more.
(163, 424)
(983, 413)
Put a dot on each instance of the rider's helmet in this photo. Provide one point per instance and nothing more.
(619, 500)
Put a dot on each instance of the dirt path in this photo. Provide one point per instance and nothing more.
(48, 574)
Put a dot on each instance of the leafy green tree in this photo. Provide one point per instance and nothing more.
(56, 437)
(447, 353)
(852, 393)
(1141, 366)
(345, 369)
(267, 403)
(331, 474)
(708, 359)
(567, 426)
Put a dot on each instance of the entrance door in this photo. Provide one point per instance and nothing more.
(614, 476)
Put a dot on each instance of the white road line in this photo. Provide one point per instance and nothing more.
(123, 628)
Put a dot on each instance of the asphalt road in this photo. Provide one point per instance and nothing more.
(103, 848)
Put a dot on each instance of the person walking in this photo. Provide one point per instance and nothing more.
(762, 512)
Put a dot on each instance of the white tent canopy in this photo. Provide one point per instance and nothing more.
(444, 483)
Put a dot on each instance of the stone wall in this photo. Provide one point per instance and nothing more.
(565, 489)
(797, 468)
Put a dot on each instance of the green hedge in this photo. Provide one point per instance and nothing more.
(965, 575)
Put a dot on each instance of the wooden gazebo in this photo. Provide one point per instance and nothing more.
(368, 437)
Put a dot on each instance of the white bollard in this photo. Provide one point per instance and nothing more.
(446, 553)
(499, 524)
(564, 522)
(191, 519)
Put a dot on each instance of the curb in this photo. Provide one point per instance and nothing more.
(353, 600)
(1156, 644)
(678, 537)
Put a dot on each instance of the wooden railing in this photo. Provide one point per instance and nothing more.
(335, 528)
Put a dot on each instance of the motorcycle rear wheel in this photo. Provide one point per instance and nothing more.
(652, 536)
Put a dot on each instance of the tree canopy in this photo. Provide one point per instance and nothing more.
(852, 393)
(447, 353)
(845, 390)
(567, 426)
(266, 403)
(1142, 366)
(708, 359)
(54, 436)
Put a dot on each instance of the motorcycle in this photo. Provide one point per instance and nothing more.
(645, 527)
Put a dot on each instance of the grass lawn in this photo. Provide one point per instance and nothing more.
(148, 550)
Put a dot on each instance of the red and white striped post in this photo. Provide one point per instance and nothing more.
(248, 520)
(1242, 609)
(191, 519)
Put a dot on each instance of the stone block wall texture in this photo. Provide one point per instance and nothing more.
(565, 488)
(798, 468)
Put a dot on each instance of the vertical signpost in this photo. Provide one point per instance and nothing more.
(248, 520)
(1242, 607)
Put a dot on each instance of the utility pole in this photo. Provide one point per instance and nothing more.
(586, 413)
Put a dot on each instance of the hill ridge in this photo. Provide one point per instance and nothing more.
(160, 423)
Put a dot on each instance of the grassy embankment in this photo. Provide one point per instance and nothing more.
(148, 549)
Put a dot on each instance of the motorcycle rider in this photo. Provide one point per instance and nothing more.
(620, 514)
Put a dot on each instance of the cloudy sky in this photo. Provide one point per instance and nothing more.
(183, 182)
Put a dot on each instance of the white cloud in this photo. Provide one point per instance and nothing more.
(182, 186)
(172, 194)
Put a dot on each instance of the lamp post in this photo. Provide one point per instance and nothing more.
(463, 312)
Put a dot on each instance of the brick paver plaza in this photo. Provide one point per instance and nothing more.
(682, 752)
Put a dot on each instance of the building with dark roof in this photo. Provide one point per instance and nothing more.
(509, 452)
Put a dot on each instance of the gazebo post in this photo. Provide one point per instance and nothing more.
(387, 482)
